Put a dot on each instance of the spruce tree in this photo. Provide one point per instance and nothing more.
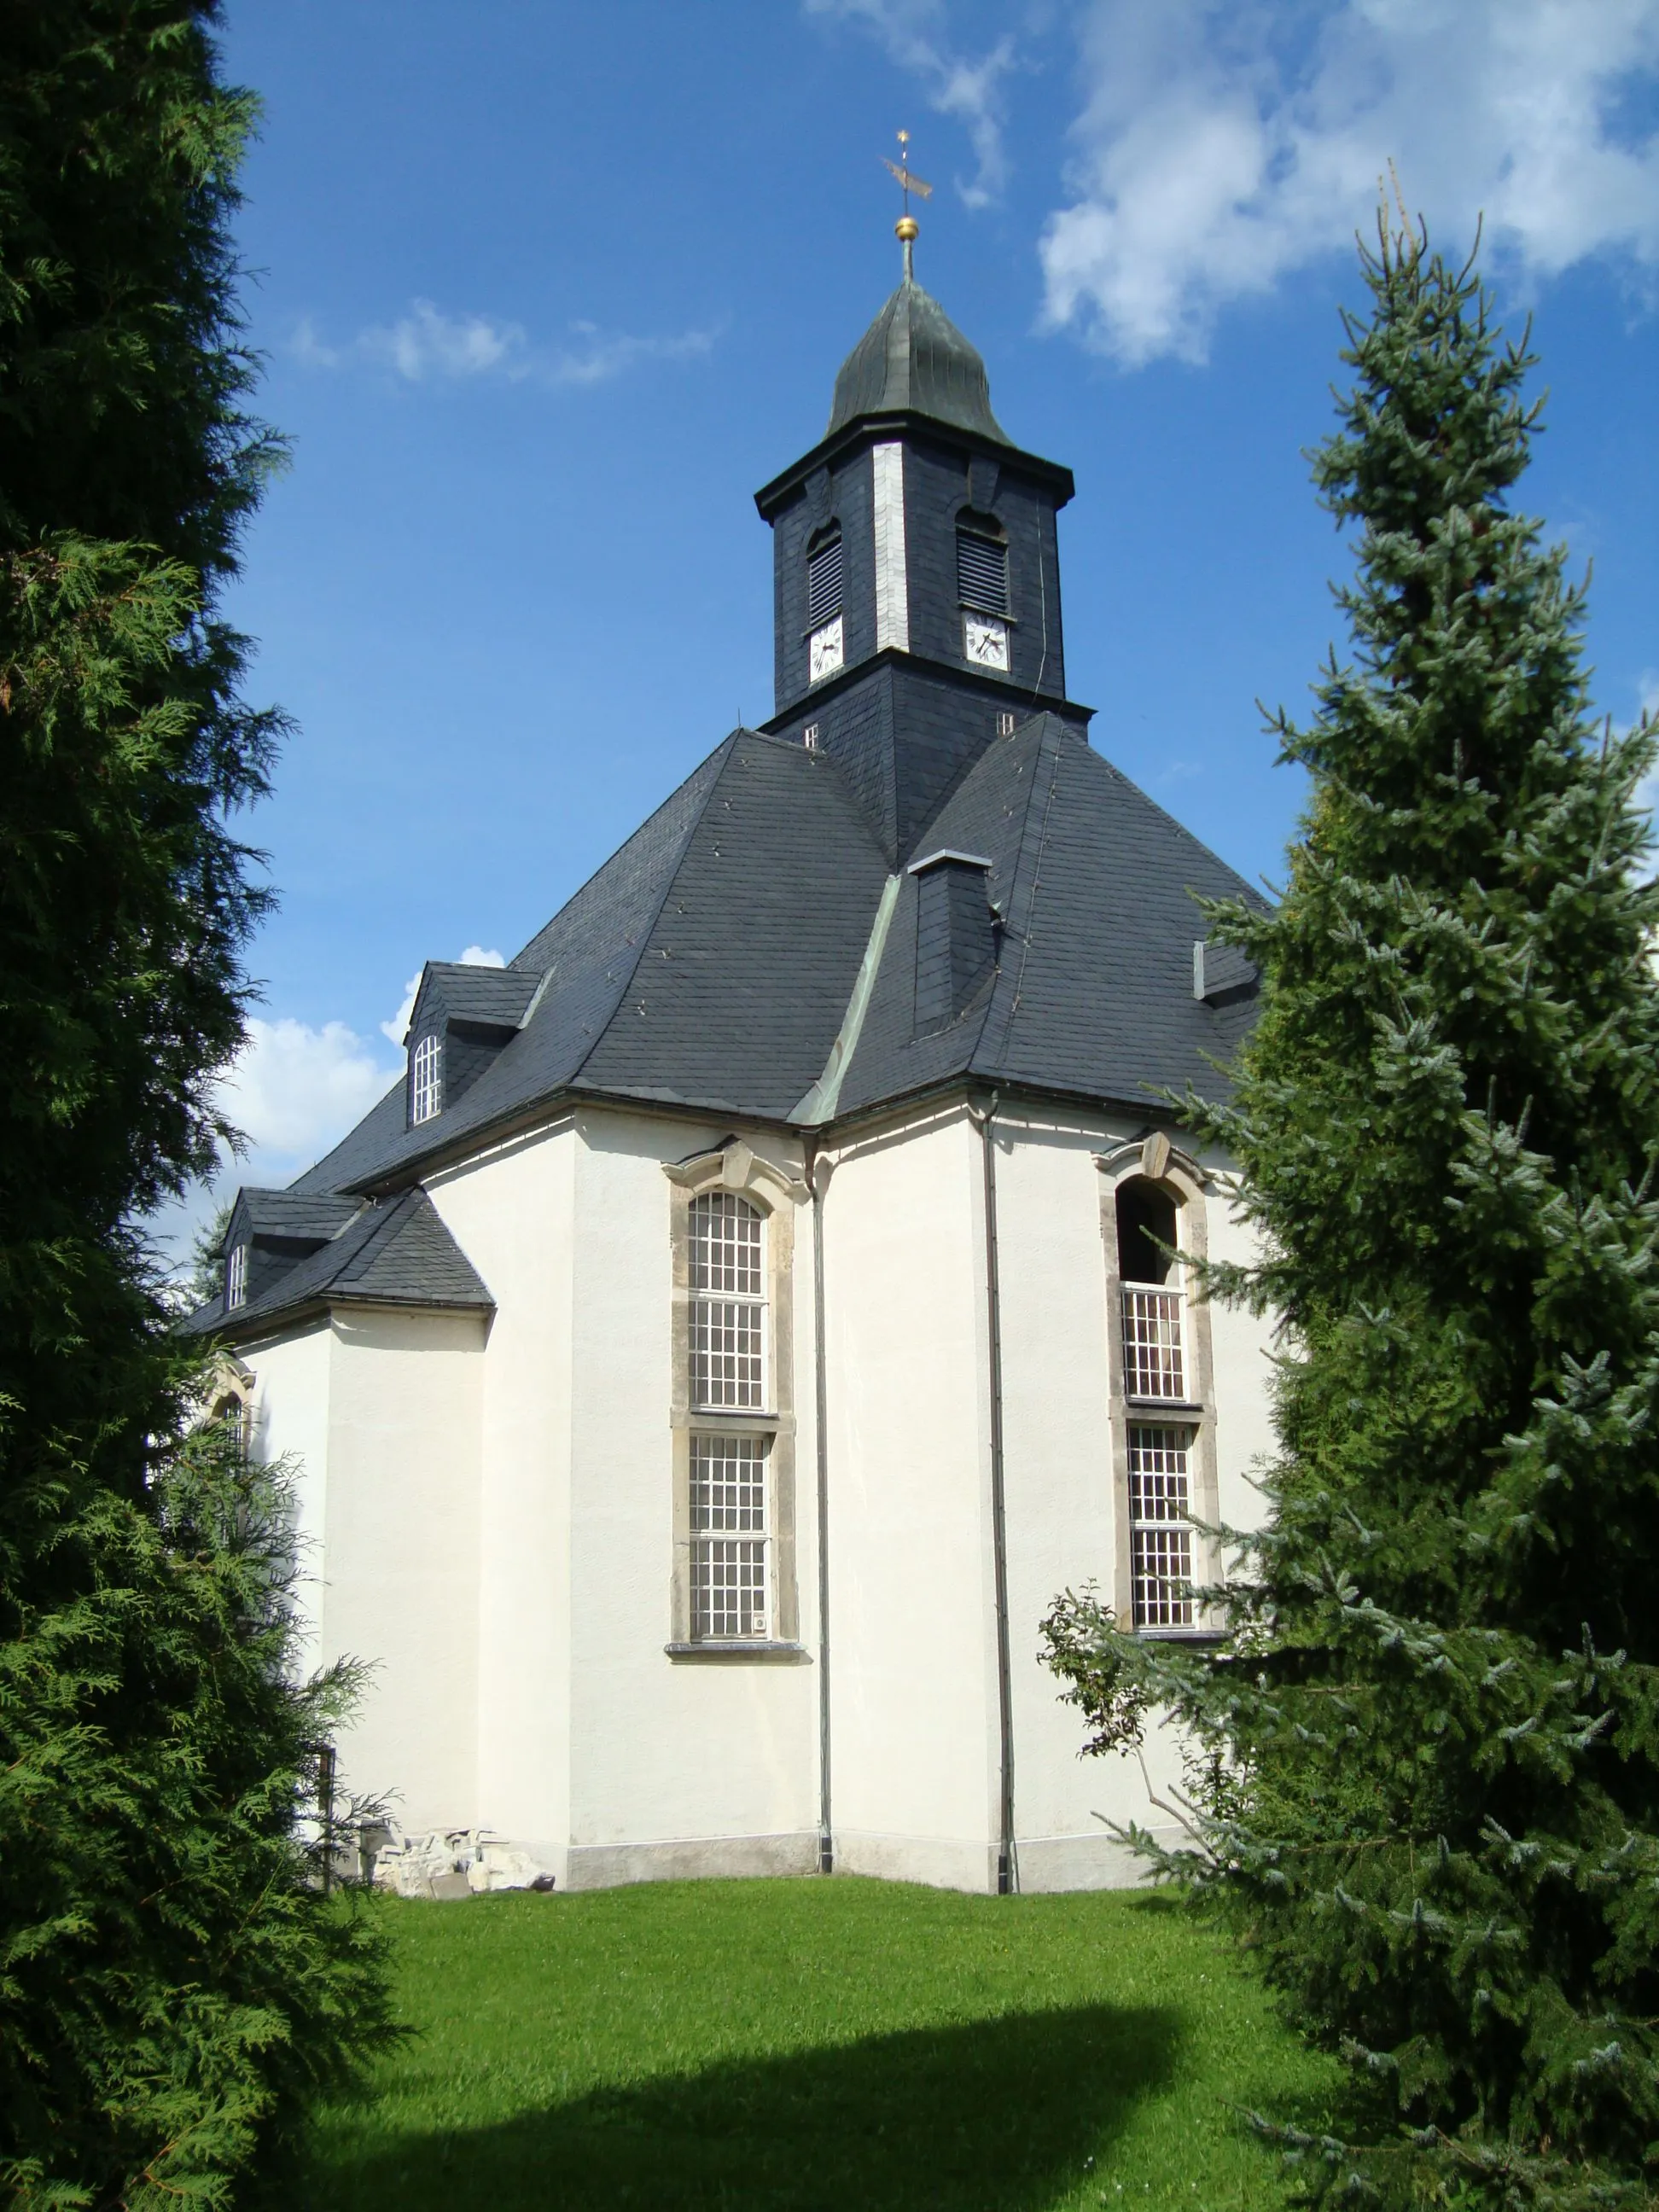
(174, 1985)
(1423, 1760)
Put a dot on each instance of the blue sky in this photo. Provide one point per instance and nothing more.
(547, 289)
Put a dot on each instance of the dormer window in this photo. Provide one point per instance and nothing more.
(826, 649)
(426, 1078)
(236, 1277)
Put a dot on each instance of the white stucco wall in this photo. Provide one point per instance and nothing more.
(401, 1557)
(912, 1653)
(289, 1421)
(1058, 1481)
(664, 1751)
(495, 1507)
(512, 1213)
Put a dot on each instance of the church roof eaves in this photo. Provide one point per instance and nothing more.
(907, 422)
(399, 1254)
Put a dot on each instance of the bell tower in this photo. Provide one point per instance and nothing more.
(916, 573)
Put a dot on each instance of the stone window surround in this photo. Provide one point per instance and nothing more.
(229, 1395)
(1159, 1161)
(774, 1194)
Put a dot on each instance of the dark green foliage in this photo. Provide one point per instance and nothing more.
(170, 1988)
(175, 1988)
(1425, 1760)
(126, 467)
(204, 1276)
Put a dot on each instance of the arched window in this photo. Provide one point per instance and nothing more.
(231, 1414)
(728, 1303)
(1146, 1230)
(236, 1277)
(1154, 1333)
(426, 1078)
(1156, 1363)
(730, 1528)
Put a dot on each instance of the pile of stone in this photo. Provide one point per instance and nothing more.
(446, 1863)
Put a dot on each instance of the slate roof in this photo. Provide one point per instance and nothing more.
(289, 1214)
(913, 358)
(397, 1253)
(1092, 992)
(710, 963)
(496, 997)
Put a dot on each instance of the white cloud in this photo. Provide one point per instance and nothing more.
(912, 32)
(427, 346)
(294, 1090)
(1222, 147)
(474, 956)
(597, 355)
(397, 1029)
(427, 342)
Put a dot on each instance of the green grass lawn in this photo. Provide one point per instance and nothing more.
(823, 2046)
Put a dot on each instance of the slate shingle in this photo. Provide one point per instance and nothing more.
(396, 1253)
(709, 964)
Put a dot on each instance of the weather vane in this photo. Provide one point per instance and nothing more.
(905, 226)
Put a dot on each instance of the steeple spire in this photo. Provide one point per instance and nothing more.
(906, 228)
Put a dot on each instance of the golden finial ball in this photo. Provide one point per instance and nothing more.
(906, 228)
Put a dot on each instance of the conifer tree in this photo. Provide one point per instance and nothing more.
(173, 1985)
(1424, 1764)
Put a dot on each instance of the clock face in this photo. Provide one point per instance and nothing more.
(985, 641)
(824, 652)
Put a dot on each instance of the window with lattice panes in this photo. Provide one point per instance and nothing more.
(727, 1282)
(426, 1078)
(236, 1276)
(730, 1535)
(1160, 1525)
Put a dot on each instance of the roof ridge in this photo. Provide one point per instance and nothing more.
(648, 929)
(609, 860)
(1175, 821)
(1047, 741)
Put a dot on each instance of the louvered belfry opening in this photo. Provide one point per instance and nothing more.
(982, 566)
(824, 581)
(956, 936)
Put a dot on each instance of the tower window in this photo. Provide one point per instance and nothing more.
(426, 1078)
(236, 1276)
(982, 571)
(824, 582)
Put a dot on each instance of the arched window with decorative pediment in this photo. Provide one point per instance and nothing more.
(732, 1239)
(1153, 1220)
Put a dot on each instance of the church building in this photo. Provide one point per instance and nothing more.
(757, 1301)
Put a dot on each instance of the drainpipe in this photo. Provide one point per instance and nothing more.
(1007, 1858)
(821, 1426)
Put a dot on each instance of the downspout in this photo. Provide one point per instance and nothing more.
(815, 1184)
(1007, 1858)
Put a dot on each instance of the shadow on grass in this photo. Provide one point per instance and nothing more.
(997, 2113)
